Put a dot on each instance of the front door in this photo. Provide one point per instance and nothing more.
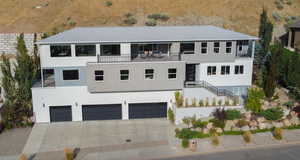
(190, 72)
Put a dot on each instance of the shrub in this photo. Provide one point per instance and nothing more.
(199, 124)
(130, 21)
(289, 2)
(194, 102)
(272, 113)
(69, 155)
(171, 115)
(236, 101)
(220, 102)
(232, 114)
(159, 16)
(227, 103)
(23, 157)
(108, 3)
(207, 102)
(127, 15)
(220, 114)
(185, 143)
(178, 99)
(187, 121)
(186, 102)
(253, 102)
(217, 123)
(289, 104)
(277, 133)
(201, 103)
(215, 140)
(247, 136)
(279, 4)
(151, 22)
(276, 16)
(214, 102)
(242, 123)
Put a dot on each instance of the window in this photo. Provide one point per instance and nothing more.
(172, 73)
(110, 50)
(228, 47)
(211, 70)
(85, 50)
(149, 73)
(70, 75)
(187, 48)
(239, 69)
(240, 48)
(216, 47)
(204, 47)
(60, 51)
(99, 75)
(225, 70)
(124, 74)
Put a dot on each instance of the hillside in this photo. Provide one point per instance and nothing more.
(45, 15)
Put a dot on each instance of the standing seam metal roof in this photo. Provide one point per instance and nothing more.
(144, 34)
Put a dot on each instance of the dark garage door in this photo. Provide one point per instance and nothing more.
(60, 113)
(101, 112)
(147, 110)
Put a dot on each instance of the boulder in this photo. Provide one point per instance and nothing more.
(253, 123)
(294, 121)
(253, 128)
(247, 115)
(273, 104)
(277, 124)
(245, 128)
(235, 129)
(205, 131)
(209, 126)
(262, 125)
(260, 119)
(228, 125)
(293, 114)
(219, 130)
(269, 125)
(286, 122)
(266, 103)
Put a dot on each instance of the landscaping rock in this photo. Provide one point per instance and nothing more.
(253, 128)
(262, 125)
(205, 131)
(277, 124)
(219, 130)
(293, 114)
(294, 121)
(266, 103)
(245, 128)
(260, 119)
(235, 129)
(269, 125)
(228, 125)
(253, 124)
(209, 126)
(247, 115)
(286, 122)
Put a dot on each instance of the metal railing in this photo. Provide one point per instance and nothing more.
(217, 91)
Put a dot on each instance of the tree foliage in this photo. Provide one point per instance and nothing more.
(253, 103)
(17, 82)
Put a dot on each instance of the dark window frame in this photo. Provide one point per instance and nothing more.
(149, 75)
(85, 53)
(203, 48)
(112, 50)
(172, 73)
(229, 47)
(211, 70)
(123, 75)
(239, 69)
(184, 48)
(64, 48)
(217, 48)
(99, 75)
(225, 70)
(72, 77)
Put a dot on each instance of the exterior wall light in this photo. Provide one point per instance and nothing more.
(44, 105)
(76, 104)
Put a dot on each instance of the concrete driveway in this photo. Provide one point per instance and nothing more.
(100, 136)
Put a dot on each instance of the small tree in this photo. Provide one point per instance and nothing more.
(253, 102)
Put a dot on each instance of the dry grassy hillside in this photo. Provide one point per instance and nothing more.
(44, 15)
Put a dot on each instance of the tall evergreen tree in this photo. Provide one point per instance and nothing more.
(272, 70)
(36, 57)
(293, 75)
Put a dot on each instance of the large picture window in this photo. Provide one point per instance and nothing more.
(110, 50)
(187, 48)
(70, 75)
(239, 69)
(60, 50)
(85, 50)
(172, 73)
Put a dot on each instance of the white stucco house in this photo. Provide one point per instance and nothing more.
(100, 73)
